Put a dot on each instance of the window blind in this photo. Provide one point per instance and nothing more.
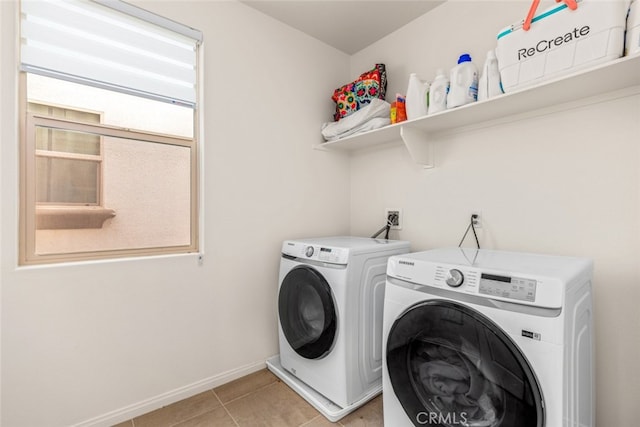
(110, 44)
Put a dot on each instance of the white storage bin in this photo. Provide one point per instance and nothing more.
(561, 41)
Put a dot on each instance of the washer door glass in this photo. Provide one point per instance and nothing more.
(449, 365)
(307, 312)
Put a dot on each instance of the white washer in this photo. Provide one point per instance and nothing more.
(488, 338)
(330, 303)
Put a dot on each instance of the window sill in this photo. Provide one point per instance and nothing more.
(71, 217)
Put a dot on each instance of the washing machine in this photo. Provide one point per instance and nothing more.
(330, 302)
(488, 338)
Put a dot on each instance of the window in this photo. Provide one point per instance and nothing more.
(68, 171)
(109, 147)
(67, 164)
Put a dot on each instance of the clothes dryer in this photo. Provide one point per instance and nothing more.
(488, 338)
(330, 302)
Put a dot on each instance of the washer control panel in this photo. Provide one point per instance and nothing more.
(508, 287)
(519, 278)
(493, 285)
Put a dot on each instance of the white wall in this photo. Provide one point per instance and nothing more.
(80, 341)
(96, 343)
(562, 183)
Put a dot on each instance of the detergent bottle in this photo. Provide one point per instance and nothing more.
(489, 84)
(416, 100)
(438, 92)
(464, 83)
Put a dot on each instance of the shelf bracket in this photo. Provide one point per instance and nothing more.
(418, 145)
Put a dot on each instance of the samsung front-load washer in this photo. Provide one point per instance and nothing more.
(488, 338)
(330, 302)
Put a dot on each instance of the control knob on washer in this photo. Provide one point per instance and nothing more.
(455, 278)
(309, 251)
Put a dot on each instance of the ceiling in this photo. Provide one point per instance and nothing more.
(347, 25)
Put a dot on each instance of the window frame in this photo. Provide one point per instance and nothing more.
(28, 204)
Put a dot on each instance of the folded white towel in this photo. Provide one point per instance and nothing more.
(375, 123)
(375, 115)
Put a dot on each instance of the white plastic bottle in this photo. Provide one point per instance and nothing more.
(438, 92)
(489, 84)
(464, 83)
(416, 102)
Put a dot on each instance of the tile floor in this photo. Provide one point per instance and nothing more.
(257, 400)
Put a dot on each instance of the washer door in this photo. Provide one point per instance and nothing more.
(307, 312)
(449, 365)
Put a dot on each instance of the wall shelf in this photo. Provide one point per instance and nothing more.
(613, 79)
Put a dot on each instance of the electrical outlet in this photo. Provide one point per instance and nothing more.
(397, 220)
(477, 221)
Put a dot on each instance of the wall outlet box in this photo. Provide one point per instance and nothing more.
(395, 216)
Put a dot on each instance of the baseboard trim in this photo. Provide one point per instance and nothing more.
(164, 399)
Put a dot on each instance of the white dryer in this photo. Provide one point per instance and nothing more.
(488, 338)
(330, 303)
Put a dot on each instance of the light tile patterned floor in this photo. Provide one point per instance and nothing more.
(257, 400)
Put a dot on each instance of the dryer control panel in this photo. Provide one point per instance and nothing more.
(311, 252)
(334, 255)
